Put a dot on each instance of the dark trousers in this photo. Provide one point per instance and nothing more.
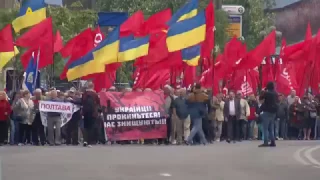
(38, 131)
(3, 131)
(25, 133)
(233, 128)
(211, 130)
(243, 129)
(88, 124)
(283, 128)
(72, 129)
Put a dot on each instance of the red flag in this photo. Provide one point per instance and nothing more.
(233, 51)
(208, 43)
(6, 39)
(155, 23)
(98, 36)
(76, 48)
(58, 43)
(132, 24)
(40, 37)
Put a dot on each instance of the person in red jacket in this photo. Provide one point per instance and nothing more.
(5, 110)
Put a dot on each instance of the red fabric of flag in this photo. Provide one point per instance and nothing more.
(6, 39)
(208, 43)
(155, 23)
(40, 37)
(58, 43)
(132, 24)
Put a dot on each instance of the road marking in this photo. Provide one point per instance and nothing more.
(298, 157)
(308, 155)
(161, 174)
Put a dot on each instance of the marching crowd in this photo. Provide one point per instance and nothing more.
(194, 117)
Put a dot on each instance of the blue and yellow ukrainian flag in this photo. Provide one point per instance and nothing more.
(31, 13)
(187, 33)
(187, 11)
(133, 49)
(94, 61)
(191, 55)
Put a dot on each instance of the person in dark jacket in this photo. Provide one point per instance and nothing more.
(73, 124)
(37, 127)
(281, 123)
(90, 112)
(269, 110)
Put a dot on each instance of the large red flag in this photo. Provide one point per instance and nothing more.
(208, 43)
(132, 24)
(39, 37)
(155, 23)
(266, 48)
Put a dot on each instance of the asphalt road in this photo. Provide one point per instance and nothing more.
(290, 160)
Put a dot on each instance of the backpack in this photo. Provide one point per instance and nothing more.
(89, 104)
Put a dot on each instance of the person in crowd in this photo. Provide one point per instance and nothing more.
(169, 99)
(291, 98)
(23, 111)
(232, 114)
(310, 116)
(211, 116)
(244, 114)
(14, 124)
(73, 125)
(5, 111)
(90, 112)
(197, 108)
(218, 117)
(259, 122)
(296, 115)
(253, 105)
(281, 123)
(54, 122)
(268, 114)
(317, 129)
(181, 113)
(37, 126)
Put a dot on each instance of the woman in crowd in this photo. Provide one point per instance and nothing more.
(253, 104)
(5, 110)
(22, 111)
(310, 116)
(295, 117)
(14, 124)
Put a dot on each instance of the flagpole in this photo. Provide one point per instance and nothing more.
(37, 72)
(218, 6)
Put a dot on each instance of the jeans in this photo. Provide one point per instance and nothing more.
(276, 127)
(12, 132)
(197, 129)
(268, 121)
(283, 128)
(260, 127)
(250, 128)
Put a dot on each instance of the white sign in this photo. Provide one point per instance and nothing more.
(65, 116)
(235, 10)
(60, 107)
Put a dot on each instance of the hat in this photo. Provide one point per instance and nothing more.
(72, 89)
